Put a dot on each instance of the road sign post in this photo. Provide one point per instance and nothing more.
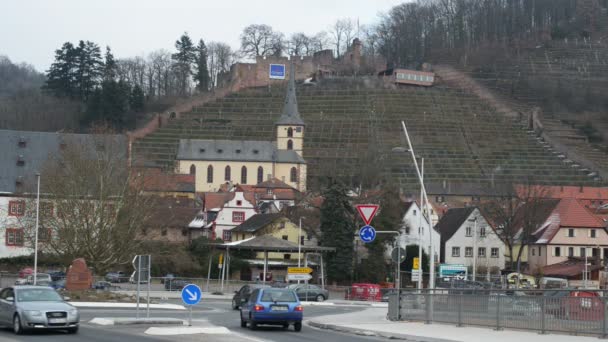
(191, 295)
(141, 264)
(367, 212)
(367, 234)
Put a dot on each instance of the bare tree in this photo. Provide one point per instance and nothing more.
(517, 214)
(342, 32)
(93, 206)
(319, 42)
(261, 40)
(298, 44)
(220, 59)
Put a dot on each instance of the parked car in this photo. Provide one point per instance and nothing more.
(36, 307)
(58, 284)
(176, 284)
(309, 292)
(57, 275)
(168, 276)
(105, 285)
(41, 278)
(242, 295)
(116, 277)
(272, 306)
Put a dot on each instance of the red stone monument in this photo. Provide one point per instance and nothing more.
(79, 276)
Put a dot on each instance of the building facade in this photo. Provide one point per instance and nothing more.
(416, 231)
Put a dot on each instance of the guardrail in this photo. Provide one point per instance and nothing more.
(580, 312)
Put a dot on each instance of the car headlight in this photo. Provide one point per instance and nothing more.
(34, 313)
(73, 312)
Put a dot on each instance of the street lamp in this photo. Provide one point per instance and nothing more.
(36, 232)
(419, 283)
(300, 241)
(475, 248)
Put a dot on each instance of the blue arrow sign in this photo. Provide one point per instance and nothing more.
(191, 294)
(367, 234)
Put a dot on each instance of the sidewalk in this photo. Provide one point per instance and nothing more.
(174, 295)
(373, 322)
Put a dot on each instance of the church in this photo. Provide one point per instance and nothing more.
(249, 162)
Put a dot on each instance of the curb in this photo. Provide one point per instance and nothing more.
(375, 333)
(131, 321)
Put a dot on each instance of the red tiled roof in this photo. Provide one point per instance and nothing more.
(573, 214)
(155, 180)
(274, 184)
(216, 199)
(568, 268)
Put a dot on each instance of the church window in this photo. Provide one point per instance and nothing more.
(192, 169)
(210, 174)
(290, 132)
(260, 174)
(244, 175)
(289, 144)
(293, 175)
(227, 173)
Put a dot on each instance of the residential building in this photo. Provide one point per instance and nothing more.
(465, 235)
(570, 230)
(12, 237)
(414, 230)
(170, 221)
(215, 162)
(158, 183)
(222, 211)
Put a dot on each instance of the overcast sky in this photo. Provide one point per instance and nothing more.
(31, 30)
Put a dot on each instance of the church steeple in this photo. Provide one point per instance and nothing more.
(291, 115)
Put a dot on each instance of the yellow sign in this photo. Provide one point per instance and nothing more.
(299, 270)
(416, 265)
(221, 258)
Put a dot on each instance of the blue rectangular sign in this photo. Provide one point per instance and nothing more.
(277, 71)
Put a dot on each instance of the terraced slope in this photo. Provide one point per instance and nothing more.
(350, 131)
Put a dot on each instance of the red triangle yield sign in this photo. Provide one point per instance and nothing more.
(367, 212)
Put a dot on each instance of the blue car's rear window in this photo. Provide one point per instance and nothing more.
(270, 295)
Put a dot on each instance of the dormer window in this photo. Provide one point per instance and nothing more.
(256, 151)
(20, 161)
(22, 143)
(201, 150)
(220, 150)
(238, 151)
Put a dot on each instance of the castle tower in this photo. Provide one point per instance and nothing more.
(290, 126)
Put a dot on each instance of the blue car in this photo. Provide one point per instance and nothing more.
(272, 306)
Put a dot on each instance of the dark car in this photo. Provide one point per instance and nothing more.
(310, 292)
(57, 275)
(105, 286)
(176, 284)
(168, 276)
(242, 295)
(272, 306)
(58, 284)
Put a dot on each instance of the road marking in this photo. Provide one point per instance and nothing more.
(187, 331)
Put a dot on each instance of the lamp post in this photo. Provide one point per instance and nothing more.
(36, 228)
(474, 248)
(300, 242)
(421, 208)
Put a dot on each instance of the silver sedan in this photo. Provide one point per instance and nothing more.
(36, 307)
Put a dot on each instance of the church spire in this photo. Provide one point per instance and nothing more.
(291, 115)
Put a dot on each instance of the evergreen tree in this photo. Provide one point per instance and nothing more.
(89, 66)
(61, 75)
(183, 60)
(109, 70)
(110, 104)
(136, 99)
(202, 71)
(338, 231)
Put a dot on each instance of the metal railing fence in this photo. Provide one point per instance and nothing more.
(579, 312)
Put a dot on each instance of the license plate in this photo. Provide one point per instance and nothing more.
(57, 320)
(279, 308)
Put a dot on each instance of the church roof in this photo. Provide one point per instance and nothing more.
(291, 115)
(235, 150)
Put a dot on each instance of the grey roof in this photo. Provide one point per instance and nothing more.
(291, 115)
(235, 150)
(256, 222)
(24, 153)
(451, 221)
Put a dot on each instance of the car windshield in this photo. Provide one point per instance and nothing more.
(38, 295)
(278, 296)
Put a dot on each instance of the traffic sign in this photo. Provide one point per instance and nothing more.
(367, 212)
(396, 253)
(416, 264)
(367, 234)
(191, 294)
(299, 270)
(298, 276)
(415, 275)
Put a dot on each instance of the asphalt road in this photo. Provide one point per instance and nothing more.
(206, 314)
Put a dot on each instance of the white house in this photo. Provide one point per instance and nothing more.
(466, 234)
(416, 231)
(226, 210)
(12, 239)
